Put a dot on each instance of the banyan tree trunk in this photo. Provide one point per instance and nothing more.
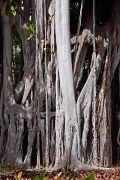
(59, 114)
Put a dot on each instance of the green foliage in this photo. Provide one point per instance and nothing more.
(11, 7)
(90, 177)
(31, 31)
(5, 170)
(41, 177)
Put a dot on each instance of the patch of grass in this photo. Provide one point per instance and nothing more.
(41, 177)
(90, 177)
(6, 170)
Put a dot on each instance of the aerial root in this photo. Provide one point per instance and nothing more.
(57, 166)
(77, 165)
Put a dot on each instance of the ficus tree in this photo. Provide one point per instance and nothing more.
(60, 109)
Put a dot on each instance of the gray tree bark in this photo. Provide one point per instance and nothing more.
(51, 118)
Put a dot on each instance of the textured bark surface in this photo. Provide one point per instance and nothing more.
(60, 112)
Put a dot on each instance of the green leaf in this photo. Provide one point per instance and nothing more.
(11, 7)
(42, 175)
(30, 31)
(5, 170)
(90, 177)
(37, 178)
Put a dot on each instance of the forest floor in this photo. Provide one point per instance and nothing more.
(21, 174)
